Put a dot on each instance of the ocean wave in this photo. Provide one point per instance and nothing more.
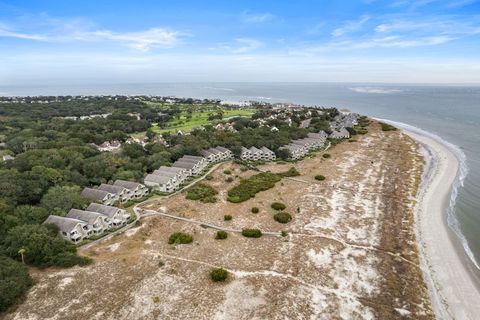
(452, 220)
(219, 89)
(375, 90)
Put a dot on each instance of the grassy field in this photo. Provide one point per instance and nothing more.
(199, 119)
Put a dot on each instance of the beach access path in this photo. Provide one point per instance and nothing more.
(453, 291)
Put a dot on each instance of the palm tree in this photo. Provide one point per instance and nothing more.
(22, 252)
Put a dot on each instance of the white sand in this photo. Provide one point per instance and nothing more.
(453, 291)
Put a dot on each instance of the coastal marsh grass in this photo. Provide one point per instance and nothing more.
(248, 188)
(202, 192)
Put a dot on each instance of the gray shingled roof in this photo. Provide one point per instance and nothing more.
(157, 179)
(88, 216)
(103, 209)
(265, 149)
(94, 193)
(192, 157)
(160, 172)
(207, 153)
(184, 165)
(183, 159)
(173, 169)
(244, 150)
(64, 224)
(214, 150)
(130, 185)
(222, 149)
(111, 188)
(255, 150)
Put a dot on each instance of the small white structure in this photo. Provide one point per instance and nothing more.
(121, 193)
(255, 154)
(267, 154)
(136, 190)
(160, 183)
(104, 197)
(95, 221)
(116, 215)
(340, 134)
(73, 230)
(245, 154)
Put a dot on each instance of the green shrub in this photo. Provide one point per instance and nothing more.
(229, 179)
(227, 171)
(251, 186)
(251, 233)
(319, 177)
(284, 233)
(255, 210)
(209, 177)
(387, 127)
(219, 274)
(221, 235)
(202, 192)
(282, 217)
(292, 172)
(278, 206)
(180, 238)
(227, 217)
(14, 282)
(156, 299)
(326, 155)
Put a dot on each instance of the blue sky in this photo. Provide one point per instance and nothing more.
(89, 42)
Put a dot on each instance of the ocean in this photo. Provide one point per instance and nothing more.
(452, 113)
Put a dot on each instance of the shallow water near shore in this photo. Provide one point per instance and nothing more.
(450, 112)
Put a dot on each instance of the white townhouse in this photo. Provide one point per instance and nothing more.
(209, 155)
(160, 183)
(340, 134)
(226, 154)
(201, 162)
(245, 154)
(297, 151)
(73, 230)
(95, 221)
(217, 154)
(104, 197)
(181, 172)
(116, 215)
(267, 154)
(120, 193)
(175, 178)
(193, 165)
(255, 154)
(136, 190)
(321, 135)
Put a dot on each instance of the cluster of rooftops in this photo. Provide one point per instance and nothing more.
(102, 214)
(98, 217)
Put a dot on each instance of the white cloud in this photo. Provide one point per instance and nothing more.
(140, 40)
(243, 45)
(350, 26)
(257, 17)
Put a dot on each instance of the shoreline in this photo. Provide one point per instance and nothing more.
(453, 288)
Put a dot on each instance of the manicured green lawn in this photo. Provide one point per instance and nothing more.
(199, 119)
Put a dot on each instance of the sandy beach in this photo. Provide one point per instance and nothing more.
(453, 291)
